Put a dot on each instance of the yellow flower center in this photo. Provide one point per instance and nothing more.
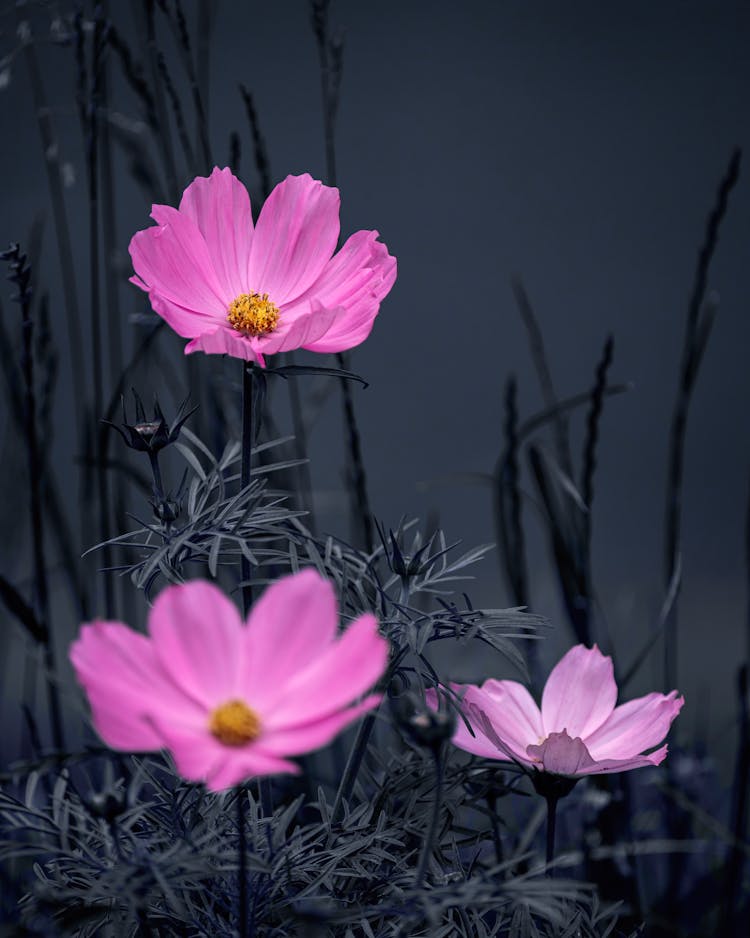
(253, 314)
(234, 723)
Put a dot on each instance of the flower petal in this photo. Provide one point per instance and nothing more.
(356, 279)
(199, 757)
(126, 686)
(294, 239)
(185, 322)
(475, 726)
(635, 726)
(608, 766)
(244, 764)
(219, 205)
(292, 623)
(196, 753)
(294, 740)
(561, 755)
(343, 672)
(197, 634)
(515, 715)
(300, 331)
(221, 340)
(580, 693)
(172, 259)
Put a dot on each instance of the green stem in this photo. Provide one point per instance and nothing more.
(246, 469)
(242, 897)
(156, 473)
(551, 824)
(429, 841)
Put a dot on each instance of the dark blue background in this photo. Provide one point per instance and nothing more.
(577, 145)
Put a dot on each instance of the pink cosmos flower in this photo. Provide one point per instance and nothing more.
(229, 699)
(251, 291)
(578, 731)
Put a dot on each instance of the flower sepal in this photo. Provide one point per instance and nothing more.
(150, 436)
(551, 786)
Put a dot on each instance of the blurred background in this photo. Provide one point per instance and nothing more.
(576, 147)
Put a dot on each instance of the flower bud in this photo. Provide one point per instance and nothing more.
(150, 436)
(424, 726)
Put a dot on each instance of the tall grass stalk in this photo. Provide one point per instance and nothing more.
(179, 25)
(89, 89)
(330, 53)
(20, 275)
(51, 151)
(700, 318)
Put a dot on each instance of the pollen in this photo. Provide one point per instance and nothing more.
(253, 314)
(234, 723)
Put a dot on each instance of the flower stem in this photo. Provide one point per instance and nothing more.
(246, 469)
(491, 799)
(429, 841)
(357, 754)
(357, 475)
(156, 473)
(246, 465)
(551, 824)
(242, 897)
(353, 763)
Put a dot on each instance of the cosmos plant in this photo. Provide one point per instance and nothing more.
(248, 290)
(577, 731)
(230, 699)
